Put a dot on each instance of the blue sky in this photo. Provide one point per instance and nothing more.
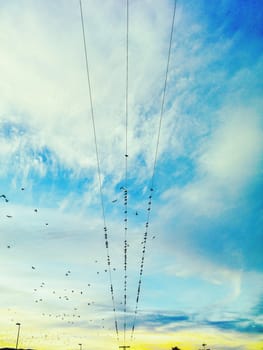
(203, 268)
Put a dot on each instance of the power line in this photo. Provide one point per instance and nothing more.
(126, 177)
(152, 179)
(106, 240)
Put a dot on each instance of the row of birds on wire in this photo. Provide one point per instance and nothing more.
(125, 189)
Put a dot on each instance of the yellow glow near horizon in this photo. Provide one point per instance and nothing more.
(184, 339)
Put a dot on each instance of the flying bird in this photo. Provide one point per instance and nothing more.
(35, 210)
(9, 216)
(114, 201)
(4, 197)
(33, 267)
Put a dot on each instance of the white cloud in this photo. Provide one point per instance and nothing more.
(227, 161)
(234, 153)
(44, 81)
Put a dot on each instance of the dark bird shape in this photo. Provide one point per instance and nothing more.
(8, 247)
(46, 223)
(136, 213)
(114, 201)
(4, 197)
(9, 216)
(33, 267)
(153, 237)
(35, 210)
(22, 188)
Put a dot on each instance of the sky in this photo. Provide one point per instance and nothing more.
(202, 265)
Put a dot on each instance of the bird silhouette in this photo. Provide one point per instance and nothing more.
(4, 197)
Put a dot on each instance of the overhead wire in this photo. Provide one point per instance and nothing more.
(106, 239)
(153, 175)
(125, 192)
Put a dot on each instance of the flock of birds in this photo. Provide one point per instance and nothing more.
(44, 295)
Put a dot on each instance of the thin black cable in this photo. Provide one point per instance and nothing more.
(126, 177)
(99, 171)
(153, 174)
